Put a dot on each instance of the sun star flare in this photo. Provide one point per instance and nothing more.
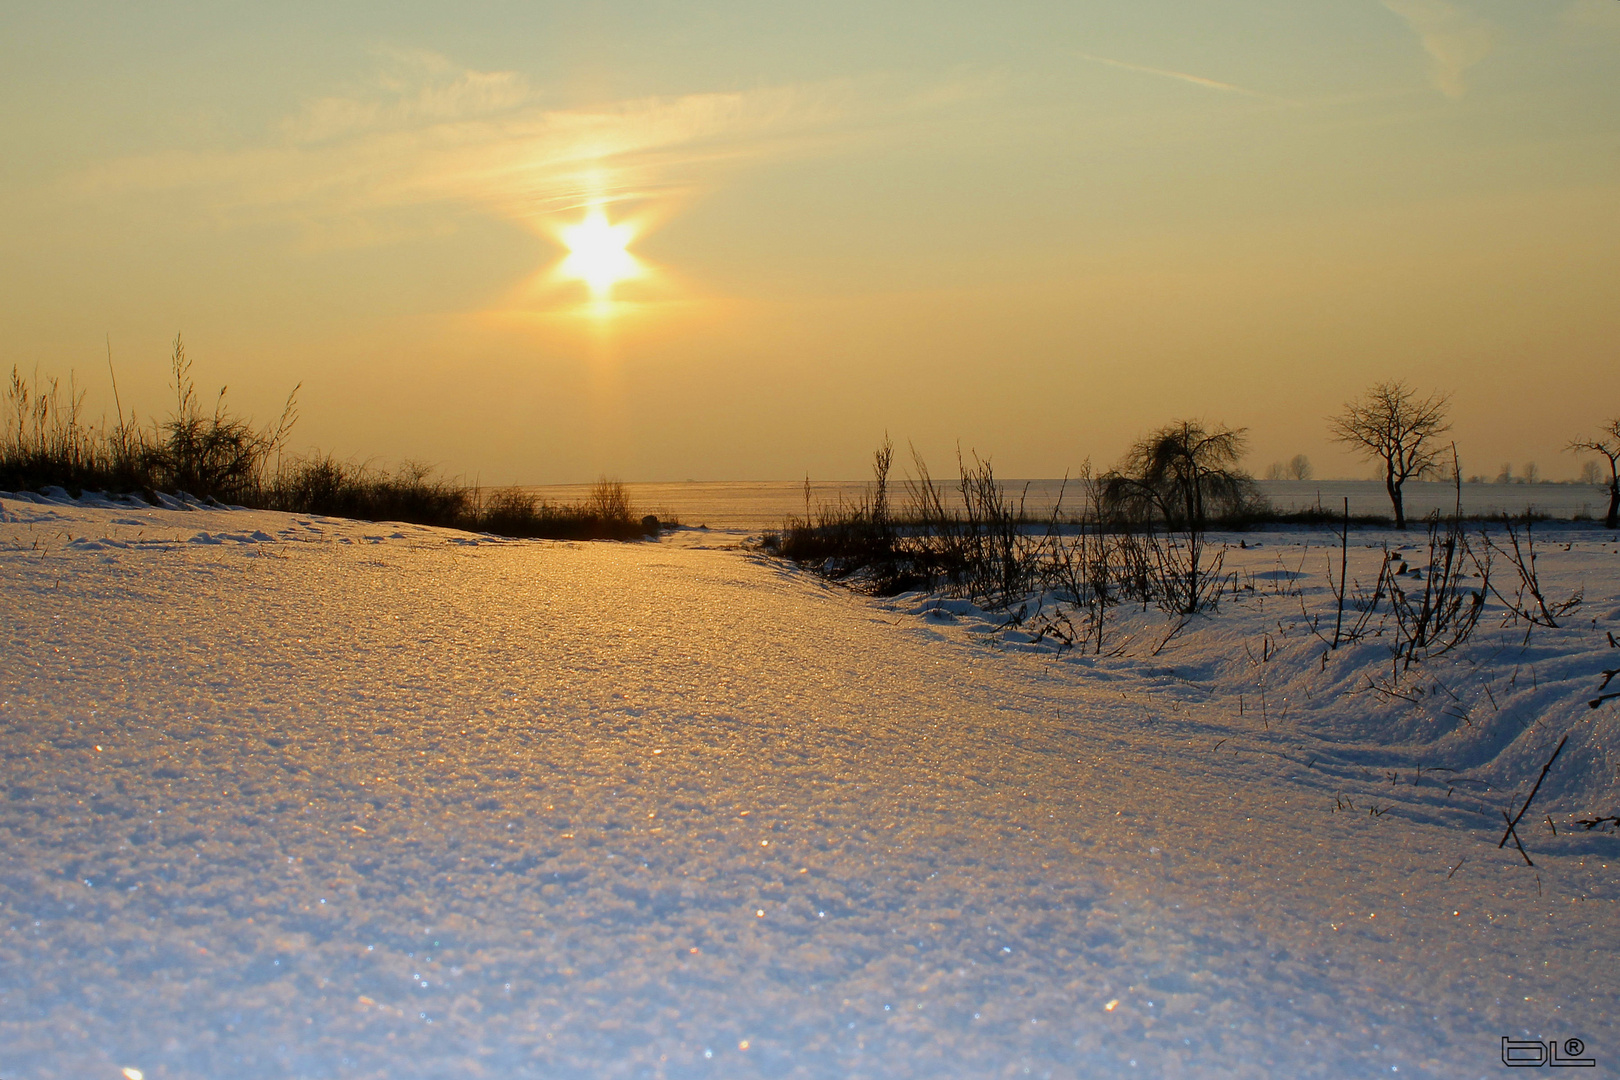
(597, 253)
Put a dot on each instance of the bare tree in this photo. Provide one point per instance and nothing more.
(1185, 474)
(1607, 443)
(1297, 467)
(1393, 425)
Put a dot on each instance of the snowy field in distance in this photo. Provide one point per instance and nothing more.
(287, 796)
(752, 506)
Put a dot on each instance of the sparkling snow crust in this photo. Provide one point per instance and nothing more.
(288, 796)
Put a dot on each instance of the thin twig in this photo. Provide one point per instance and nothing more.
(1515, 820)
(1515, 835)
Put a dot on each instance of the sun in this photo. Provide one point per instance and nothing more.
(597, 255)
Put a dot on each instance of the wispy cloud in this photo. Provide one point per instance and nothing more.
(424, 132)
(413, 87)
(1196, 80)
(1452, 36)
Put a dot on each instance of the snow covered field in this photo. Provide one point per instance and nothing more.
(755, 505)
(297, 797)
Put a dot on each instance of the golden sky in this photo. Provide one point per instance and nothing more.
(1034, 229)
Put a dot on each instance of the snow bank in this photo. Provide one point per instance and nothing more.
(289, 796)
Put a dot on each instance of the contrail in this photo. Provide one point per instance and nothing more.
(1197, 80)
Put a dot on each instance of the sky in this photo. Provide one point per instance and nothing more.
(1030, 230)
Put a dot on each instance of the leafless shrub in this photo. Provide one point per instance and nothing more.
(1529, 601)
(1077, 569)
(1445, 611)
(1339, 587)
(1186, 581)
(998, 562)
(44, 442)
(507, 510)
(974, 543)
(1365, 605)
(609, 501)
(1135, 565)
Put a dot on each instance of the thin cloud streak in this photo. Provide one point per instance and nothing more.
(1196, 80)
(527, 162)
(343, 166)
